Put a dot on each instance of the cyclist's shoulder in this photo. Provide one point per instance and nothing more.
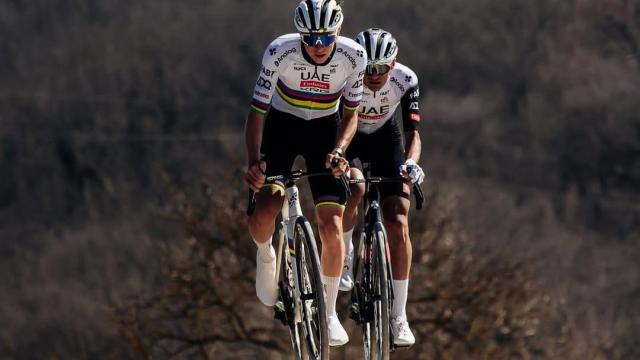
(281, 47)
(404, 77)
(351, 50)
(285, 40)
(348, 43)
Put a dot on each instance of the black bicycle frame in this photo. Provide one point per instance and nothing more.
(372, 225)
(365, 293)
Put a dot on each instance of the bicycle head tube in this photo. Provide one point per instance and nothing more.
(293, 201)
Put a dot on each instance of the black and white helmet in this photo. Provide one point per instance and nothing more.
(380, 45)
(318, 16)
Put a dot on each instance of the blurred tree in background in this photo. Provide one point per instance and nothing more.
(113, 113)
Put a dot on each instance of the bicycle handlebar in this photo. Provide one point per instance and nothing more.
(417, 189)
(293, 176)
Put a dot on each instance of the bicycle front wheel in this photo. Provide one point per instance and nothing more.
(285, 308)
(312, 303)
(382, 303)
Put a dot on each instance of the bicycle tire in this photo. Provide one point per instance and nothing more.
(382, 304)
(362, 294)
(313, 308)
(286, 285)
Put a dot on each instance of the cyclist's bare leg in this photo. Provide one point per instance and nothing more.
(395, 212)
(261, 227)
(268, 205)
(330, 229)
(349, 221)
(351, 208)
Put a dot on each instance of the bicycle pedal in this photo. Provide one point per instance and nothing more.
(279, 306)
(355, 313)
(280, 314)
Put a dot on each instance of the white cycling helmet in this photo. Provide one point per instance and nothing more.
(380, 45)
(318, 16)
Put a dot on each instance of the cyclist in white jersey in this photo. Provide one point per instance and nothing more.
(378, 141)
(295, 112)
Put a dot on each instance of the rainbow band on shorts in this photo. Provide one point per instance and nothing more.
(329, 200)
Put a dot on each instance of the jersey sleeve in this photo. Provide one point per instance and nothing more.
(410, 104)
(353, 89)
(266, 83)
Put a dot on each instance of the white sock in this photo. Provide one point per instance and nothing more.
(348, 244)
(400, 290)
(331, 285)
(267, 252)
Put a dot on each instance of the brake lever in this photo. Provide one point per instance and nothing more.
(343, 178)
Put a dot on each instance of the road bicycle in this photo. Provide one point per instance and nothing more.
(301, 302)
(372, 294)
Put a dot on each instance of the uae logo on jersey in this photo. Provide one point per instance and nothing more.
(384, 100)
(373, 112)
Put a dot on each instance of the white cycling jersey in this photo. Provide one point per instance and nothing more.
(291, 82)
(378, 107)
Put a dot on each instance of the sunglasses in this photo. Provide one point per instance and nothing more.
(312, 39)
(377, 69)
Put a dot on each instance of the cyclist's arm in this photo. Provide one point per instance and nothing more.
(347, 128)
(413, 146)
(410, 121)
(351, 97)
(253, 136)
(260, 103)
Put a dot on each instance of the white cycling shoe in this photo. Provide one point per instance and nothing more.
(402, 335)
(337, 335)
(266, 288)
(346, 280)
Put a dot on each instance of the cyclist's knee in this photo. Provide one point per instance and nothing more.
(398, 225)
(329, 221)
(357, 192)
(268, 205)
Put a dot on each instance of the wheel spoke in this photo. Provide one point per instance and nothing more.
(311, 296)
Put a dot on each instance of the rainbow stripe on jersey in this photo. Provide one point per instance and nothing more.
(307, 100)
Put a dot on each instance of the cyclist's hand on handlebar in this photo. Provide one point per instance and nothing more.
(255, 175)
(412, 171)
(337, 163)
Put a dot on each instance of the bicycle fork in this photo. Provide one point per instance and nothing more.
(291, 210)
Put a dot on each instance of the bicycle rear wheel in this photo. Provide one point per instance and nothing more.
(314, 318)
(382, 303)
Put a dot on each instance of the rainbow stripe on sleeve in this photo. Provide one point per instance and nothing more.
(350, 105)
(259, 107)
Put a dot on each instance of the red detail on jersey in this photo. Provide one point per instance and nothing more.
(415, 117)
(384, 100)
(371, 117)
(314, 84)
